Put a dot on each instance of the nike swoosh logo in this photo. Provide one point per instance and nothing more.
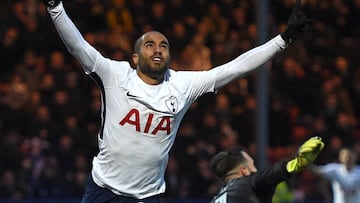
(130, 95)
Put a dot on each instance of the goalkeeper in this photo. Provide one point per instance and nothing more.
(243, 183)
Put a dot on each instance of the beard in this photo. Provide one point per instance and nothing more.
(156, 70)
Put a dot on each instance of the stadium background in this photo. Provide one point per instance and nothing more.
(49, 109)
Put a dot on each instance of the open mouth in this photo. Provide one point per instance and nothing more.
(157, 59)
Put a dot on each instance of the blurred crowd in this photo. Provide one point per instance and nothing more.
(50, 110)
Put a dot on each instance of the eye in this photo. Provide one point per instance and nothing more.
(148, 45)
(164, 46)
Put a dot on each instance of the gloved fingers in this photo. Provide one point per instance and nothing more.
(312, 148)
(315, 147)
(313, 144)
(321, 145)
(296, 7)
(300, 16)
(314, 138)
(302, 20)
(307, 23)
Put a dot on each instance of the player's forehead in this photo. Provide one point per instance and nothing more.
(154, 36)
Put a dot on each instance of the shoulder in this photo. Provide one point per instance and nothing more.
(235, 185)
(120, 66)
(242, 183)
(330, 167)
(237, 190)
(111, 70)
(357, 169)
(178, 73)
(190, 76)
(114, 67)
(107, 64)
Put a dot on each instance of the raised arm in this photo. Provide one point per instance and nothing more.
(70, 35)
(248, 61)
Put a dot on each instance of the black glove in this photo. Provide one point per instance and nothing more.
(297, 24)
(51, 3)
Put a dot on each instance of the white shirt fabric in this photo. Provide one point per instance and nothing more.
(140, 121)
(345, 184)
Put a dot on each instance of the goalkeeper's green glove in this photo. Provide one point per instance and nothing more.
(306, 154)
(51, 3)
(297, 24)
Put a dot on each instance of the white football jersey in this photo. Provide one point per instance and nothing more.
(140, 124)
(345, 184)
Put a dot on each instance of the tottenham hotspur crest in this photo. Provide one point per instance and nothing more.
(172, 104)
(51, 3)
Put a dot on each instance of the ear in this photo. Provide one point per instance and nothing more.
(244, 171)
(135, 58)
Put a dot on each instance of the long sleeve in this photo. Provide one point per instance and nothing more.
(248, 61)
(257, 187)
(72, 38)
(337, 172)
(271, 176)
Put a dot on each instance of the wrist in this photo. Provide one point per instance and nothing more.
(287, 37)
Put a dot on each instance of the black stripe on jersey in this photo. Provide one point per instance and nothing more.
(97, 79)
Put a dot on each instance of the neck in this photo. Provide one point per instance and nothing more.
(150, 80)
(232, 176)
(349, 167)
(234, 173)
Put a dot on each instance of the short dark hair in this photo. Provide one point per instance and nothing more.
(137, 45)
(223, 162)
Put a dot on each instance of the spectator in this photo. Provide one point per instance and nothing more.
(344, 176)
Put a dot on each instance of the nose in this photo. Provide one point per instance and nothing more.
(157, 49)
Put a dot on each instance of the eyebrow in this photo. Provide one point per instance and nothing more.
(152, 41)
(165, 42)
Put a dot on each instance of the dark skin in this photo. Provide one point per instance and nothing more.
(153, 59)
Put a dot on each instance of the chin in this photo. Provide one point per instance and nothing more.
(160, 68)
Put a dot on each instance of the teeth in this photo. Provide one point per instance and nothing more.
(156, 59)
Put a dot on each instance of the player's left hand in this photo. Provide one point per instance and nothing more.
(306, 155)
(297, 24)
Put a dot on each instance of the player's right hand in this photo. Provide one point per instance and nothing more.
(51, 3)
